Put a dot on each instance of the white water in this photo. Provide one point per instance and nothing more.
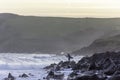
(28, 63)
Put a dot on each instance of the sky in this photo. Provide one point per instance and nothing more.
(62, 8)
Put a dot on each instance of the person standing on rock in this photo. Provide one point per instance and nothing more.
(69, 57)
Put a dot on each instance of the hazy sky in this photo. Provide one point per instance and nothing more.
(65, 8)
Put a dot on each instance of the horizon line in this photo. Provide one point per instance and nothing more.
(58, 16)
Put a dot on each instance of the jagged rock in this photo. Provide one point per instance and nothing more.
(94, 66)
(101, 66)
(44, 77)
(23, 75)
(106, 64)
(83, 64)
(67, 64)
(115, 76)
(87, 75)
(61, 65)
(30, 74)
(10, 77)
(109, 66)
(99, 61)
(90, 77)
(72, 75)
(51, 66)
(55, 75)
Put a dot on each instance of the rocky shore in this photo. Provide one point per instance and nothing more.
(100, 66)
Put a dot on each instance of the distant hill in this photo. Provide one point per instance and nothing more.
(52, 34)
(101, 45)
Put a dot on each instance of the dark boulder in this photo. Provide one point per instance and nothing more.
(51, 66)
(101, 66)
(94, 66)
(108, 66)
(90, 77)
(67, 64)
(72, 75)
(55, 75)
(105, 64)
(101, 61)
(115, 76)
(97, 75)
(10, 77)
(23, 75)
(61, 65)
(83, 64)
(30, 74)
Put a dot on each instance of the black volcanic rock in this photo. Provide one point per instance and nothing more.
(100, 66)
(23, 75)
(103, 60)
(55, 75)
(116, 76)
(90, 77)
(97, 67)
(10, 77)
(51, 66)
(61, 65)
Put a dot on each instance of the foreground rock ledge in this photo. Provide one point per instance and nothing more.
(100, 66)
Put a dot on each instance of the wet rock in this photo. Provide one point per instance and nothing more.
(66, 64)
(10, 77)
(94, 66)
(61, 65)
(51, 66)
(73, 74)
(30, 74)
(55, 75)
(83, 64)
(99, 61)
(101, 66)
(23, 75)
(106, 64)
(115, 76)
(89, 77)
